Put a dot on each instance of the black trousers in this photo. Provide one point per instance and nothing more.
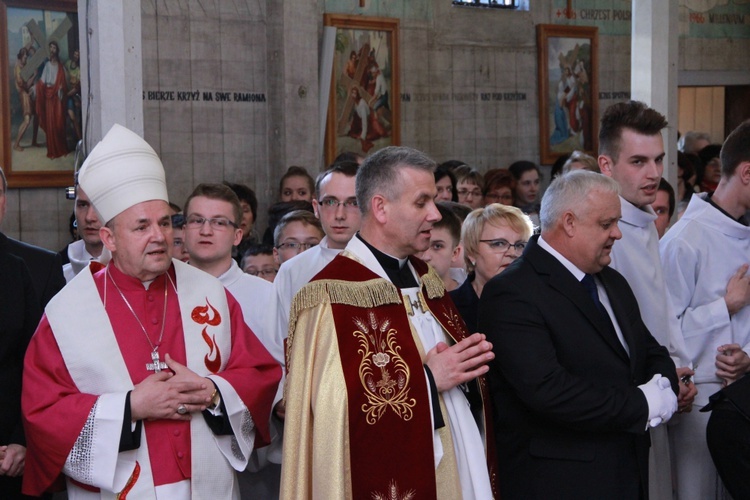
(728, 437)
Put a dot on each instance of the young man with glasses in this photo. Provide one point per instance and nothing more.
(212, 215)
(211, 230)
(258, 261)
(336, 208)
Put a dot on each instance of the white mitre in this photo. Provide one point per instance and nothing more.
(120, 172)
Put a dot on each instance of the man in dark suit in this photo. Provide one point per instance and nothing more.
(577, 378)
(45, 266)
(19, 315)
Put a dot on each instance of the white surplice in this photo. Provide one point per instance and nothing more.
(700, 253)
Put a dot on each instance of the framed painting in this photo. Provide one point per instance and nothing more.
(40, 87)
(363, 106)
(568, 90)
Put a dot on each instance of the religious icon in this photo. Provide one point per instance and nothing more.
(568, 94)
(363, 109)
(41, 86)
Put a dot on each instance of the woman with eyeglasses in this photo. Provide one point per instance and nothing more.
(493, 237)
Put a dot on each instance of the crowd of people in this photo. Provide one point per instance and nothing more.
(401, 329)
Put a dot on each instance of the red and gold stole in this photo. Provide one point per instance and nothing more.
(390, 422)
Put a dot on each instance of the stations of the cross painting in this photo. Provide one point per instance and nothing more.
(43, 52)
(350, 83)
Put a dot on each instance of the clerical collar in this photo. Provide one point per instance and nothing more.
(398, 272)
(709, 199)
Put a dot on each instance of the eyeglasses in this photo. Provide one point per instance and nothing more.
(218, 223)
(472, 192)
(262, 272)
(333, 204)
(293, 245)
(501, 245)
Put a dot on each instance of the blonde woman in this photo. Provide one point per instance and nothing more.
(493, 237)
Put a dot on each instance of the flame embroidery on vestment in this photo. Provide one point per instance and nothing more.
(123, 495)
(380, 352)
(201, 316)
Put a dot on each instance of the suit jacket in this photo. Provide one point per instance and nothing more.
(44, 266)
(467, 303)
(19, 316)
(570, 421)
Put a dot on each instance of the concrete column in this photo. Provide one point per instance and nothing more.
(110, 34)
(653, 77)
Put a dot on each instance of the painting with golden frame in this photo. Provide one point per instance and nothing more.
(40, 87)
(363, 108)
(568, 90)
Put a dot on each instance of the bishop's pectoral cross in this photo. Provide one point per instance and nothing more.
(157, 365)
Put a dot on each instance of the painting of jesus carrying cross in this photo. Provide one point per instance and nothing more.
(363, 107)
(41, 90)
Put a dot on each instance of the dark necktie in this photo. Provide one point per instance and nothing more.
(590, 285)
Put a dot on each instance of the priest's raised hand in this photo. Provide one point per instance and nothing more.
(459, 363)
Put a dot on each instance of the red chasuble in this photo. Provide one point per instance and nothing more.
(389, 411)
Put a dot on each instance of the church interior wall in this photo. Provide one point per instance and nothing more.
(268, 51)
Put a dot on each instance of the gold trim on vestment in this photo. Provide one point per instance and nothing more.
(433, 283)
(366, 294)
(380, 351)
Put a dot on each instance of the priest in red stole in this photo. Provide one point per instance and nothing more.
(142, 380)
(379, 360)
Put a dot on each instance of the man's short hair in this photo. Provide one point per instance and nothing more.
(303, 216)
(568, 192)
(349, 156)
(667, 188)
(588, 161)
(449, 221)
(255, 250)
(348, 168)
(461, 211)
(736, 149)
(178, 221)
(687, 143)
(379, 173)
(246, 194)
(633, 115)
(216, 192)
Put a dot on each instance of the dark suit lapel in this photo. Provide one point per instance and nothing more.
(566, 284)
(622, 320)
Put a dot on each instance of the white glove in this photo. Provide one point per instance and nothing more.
(662, 402)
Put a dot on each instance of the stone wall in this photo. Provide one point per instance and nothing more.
(231, 86)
